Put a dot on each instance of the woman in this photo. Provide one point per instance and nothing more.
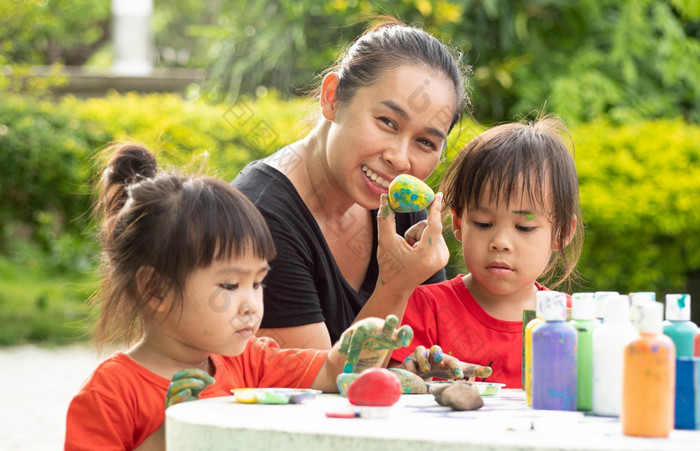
(387, 107)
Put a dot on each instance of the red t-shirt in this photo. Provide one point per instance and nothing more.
(447, 314)
(122, 403)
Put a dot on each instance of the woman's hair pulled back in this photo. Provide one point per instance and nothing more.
(390, 44)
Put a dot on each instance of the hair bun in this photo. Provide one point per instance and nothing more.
(131, 163)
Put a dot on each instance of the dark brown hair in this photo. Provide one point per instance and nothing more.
(389, 44)
(529, 158)
(169, 224)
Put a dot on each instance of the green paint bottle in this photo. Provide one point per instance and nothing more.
(583, 318)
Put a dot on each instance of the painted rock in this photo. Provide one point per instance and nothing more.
(375, 387)
(408, 193)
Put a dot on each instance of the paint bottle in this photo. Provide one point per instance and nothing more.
(584, 321)
(601, 297)
(527, 338)
(609, 341)
(554, 358)
(678, 325)
(528, 315)
(636, 299)
(649, 377)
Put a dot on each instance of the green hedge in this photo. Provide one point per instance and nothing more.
(640, 183)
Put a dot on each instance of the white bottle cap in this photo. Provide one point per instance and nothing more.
(642, 296)
(601, 298)
(650, 316)
(638, 298)
(553, 305)
(617, 309)
(583, 306)
(678, 307)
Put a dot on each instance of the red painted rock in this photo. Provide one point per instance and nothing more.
(375, 387)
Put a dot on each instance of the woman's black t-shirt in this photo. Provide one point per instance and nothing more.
(305, 285)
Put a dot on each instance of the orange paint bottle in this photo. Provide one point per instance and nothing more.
(649, 377)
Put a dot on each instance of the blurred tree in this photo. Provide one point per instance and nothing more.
(626, 59)
(45, 32)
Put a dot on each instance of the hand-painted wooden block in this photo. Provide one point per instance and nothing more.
(687, 406)
(408, 193)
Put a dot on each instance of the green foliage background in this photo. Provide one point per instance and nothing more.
(639, 185)
(621, 73)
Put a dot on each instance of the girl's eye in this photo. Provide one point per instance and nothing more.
(259, 285)
(525, 228)
(229, 286)
(481, 225)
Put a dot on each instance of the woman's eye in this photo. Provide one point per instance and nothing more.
(427, 143)
(229, 286)
(388, 122)
(258, 285)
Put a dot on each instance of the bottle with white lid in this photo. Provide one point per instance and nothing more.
(584, 321)
(527, 341)
(609, 341)
(678, 325)
(554, 357)
(648, 377)
(636, 299)
(601, 297)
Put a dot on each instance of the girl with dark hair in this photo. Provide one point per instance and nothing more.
(387, 107)
(514, 199)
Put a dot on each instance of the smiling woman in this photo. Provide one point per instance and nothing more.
(387, 107)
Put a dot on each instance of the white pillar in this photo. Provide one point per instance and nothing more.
(132, 36)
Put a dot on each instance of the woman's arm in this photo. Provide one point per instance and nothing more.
(402, 266)
(307, 336)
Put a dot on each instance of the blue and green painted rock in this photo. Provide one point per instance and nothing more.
(408, 193)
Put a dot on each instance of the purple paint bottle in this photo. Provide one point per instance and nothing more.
(554, 358)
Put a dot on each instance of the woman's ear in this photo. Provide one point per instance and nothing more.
(570, 236)
(456, 225)
(329, 99)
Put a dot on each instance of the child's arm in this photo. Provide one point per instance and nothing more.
(365, 344)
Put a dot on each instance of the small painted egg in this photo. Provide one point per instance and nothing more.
(408, 193)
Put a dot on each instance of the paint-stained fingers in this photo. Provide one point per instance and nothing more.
(433, 229)
(415, 232)
(422, 359)
(181, 396)
(386, 219)
(409, 364)
(473, 370)
(405, 335)
(390, 324)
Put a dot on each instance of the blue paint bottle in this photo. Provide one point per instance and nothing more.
(681, 330)
(554, 358)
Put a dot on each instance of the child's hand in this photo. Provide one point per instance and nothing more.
(367, 342)
(435, 363)
(186, 385)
